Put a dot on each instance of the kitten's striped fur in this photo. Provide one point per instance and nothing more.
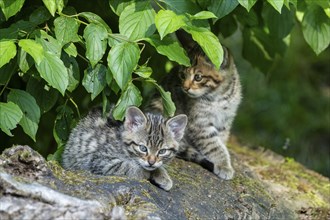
(209, 97)
(137, 148)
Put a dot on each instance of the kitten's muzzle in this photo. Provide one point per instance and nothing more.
(186, 90)
(151, 162)
(149, 168)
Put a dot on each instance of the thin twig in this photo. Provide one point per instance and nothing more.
(5, 86)
(75, 105)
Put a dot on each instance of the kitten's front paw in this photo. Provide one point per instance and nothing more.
(166, 185)
(162, 179)
(223, 172)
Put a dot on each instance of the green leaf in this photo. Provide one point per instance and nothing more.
(167, 22)
(7, 52)
(267, 43)
(10, 115)
(25, 61)
(96, 44)
(71, 49)
(49, 43)
(30, 109)
(11, 7)
(115, 39)
(9, 33)
(144, 71)
(122, 60)
(66, 29)
(95, 19)
(94, 79)
(60, 5)
(227, 25)
(246, 18)
(316, 28)
(57, 156)
(33, 48)
(247, 3)
(294, 2)
(131, 96)
(137, 20)
(45, 96)
(181, 6)
(222, 8)
(18, 29)
(279, 25)
(117, 6)
(113, 85)
(277, 4)
(208, 42)
(52, 69)
(168, 104)
(106, 105)
(64, 122)
(40, 15)
(109, 78)
(72, 68)
(254, 51)
(203, 15)
(324, 4)
(7, 71)
(169, 48)
(51, 6)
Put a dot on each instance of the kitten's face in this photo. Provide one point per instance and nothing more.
(151, 157)
(200, 78)
(151, 140)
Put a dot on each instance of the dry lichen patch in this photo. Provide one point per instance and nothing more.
(186, 173)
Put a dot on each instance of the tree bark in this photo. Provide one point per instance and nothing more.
(266, 186)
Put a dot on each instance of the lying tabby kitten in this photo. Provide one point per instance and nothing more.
(209, 97)
(137, 148)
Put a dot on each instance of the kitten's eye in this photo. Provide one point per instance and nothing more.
(143, 148)
(198, 77)
(162, 151)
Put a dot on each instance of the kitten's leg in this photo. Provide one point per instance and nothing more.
(217, 153)
(191, 154)
(161, 178)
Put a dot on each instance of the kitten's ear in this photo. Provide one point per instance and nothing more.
(185, 39)
(176, 126)
(226, 58)
(134, 119)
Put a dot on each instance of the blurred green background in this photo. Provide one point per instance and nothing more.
(288, 109)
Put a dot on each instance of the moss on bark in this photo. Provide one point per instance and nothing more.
(266, 186)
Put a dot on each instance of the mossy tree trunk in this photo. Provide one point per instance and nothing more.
(266, 186)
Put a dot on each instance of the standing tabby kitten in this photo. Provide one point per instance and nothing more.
(137, 147)
(209, 97)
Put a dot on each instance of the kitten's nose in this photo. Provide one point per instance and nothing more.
(186, 86)
(151, 161)
(186, 89)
